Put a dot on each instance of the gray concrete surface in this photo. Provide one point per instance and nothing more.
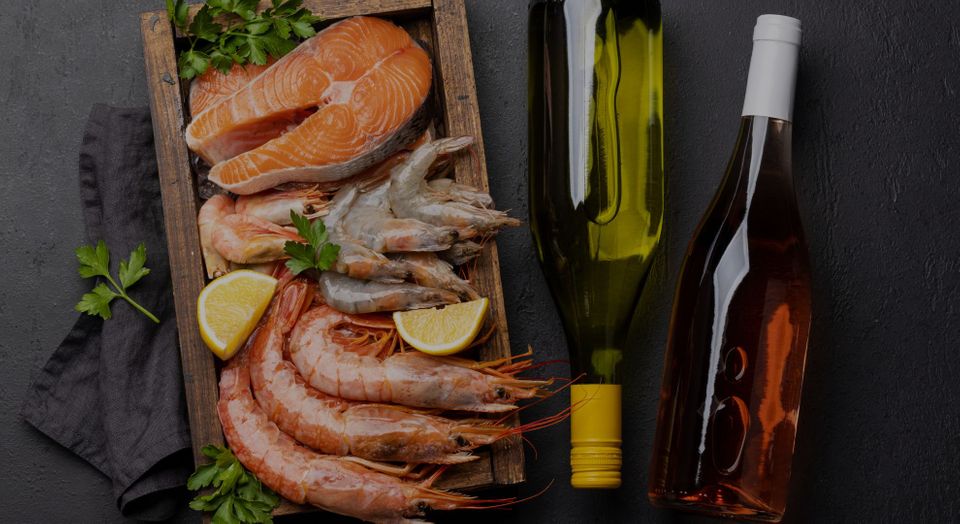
(877, 151)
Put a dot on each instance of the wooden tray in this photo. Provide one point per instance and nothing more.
(441, 26)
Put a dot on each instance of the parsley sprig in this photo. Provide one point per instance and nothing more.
(95, 262)
(247, 37)
(317, 253)
(237, 496)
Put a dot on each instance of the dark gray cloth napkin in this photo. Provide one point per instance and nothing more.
(113, 391)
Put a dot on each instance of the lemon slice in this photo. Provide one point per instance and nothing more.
(230, 307)
(442, 331)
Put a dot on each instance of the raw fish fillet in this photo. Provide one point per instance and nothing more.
(341, 102)
(212, 86)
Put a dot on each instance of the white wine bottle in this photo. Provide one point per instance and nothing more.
(596, 196)
(737, 344)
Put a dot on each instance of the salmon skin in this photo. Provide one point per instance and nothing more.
(338, 104)
(212, 86)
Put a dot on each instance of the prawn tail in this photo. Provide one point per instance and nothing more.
(446, 146)
(291, 301)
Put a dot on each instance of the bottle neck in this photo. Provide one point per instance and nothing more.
(772, 80)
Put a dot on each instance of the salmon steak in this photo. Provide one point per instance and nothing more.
(341, 102)
(212, 86)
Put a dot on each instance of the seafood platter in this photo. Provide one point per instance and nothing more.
(369, 130)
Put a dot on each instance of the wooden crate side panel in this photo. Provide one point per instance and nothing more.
(180, 221)
(462, 117)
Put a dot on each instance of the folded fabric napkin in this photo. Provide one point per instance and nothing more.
(113, 390)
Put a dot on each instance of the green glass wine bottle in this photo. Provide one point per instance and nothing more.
(596, 195)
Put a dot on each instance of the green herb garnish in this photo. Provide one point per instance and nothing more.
(317, 253)
(95, 262)
(237, 497)
(247, 37)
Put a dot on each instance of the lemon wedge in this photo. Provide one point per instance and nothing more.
(443, 331)
(230, 307)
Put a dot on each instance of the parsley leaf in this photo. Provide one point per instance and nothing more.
(301, 256)
(97, 302)
(193, 63)
(237, 496)
(247, 37)
(317, 253)
(202, 477)
(328, 255)
(95, 262)
(131, 272)
(204, 27)
(178, 10)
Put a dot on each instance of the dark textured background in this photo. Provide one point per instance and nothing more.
(877, 151)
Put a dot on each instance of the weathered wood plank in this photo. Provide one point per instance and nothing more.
(462, 117)
(180, 221)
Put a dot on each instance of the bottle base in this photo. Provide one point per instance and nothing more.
(717, 501)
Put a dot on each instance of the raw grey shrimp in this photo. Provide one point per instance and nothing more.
(351, 357)
(360, 262)
(429, 271)
(247, 239)
(356, 260)
(461, 192)
(412, 197)
(461, 252)
(215, 208)
(339, 427)
(275, 206)
(357, 296)
(370, 222)
(303, 476)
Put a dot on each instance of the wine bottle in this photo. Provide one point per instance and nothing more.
(738, 334)
(596, 195)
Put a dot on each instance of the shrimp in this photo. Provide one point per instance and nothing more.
(461, 192)
(340, 427)
(348, 356)
(275, 206)
(430, 271)
(215, 208)
(461, 252)
(303, 476)
(247, 239)
(371, 223)
(360, 262)
(356, 260)
(412, 197)
(267, 268)
(355, 296)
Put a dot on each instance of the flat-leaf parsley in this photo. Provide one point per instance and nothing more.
(317, 253)
(244, 36)
(95, 262)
